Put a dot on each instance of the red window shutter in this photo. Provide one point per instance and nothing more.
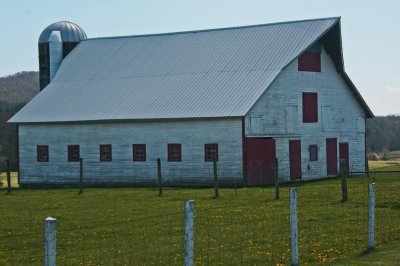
(174, 152)
(310, 107)
(139, 152)
(42, 153)
(105, 153)
(310, 61)
(210, 152)
(73, 153)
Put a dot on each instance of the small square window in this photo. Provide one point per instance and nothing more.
(210, 152)
(139, 152)
(105, 153)
(73, 153)
(174, 152)
(313, 149)
(42, 153)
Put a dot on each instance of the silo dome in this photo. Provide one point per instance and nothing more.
(70, 32)
(55, 42)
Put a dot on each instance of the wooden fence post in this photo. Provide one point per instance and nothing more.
(216, 194)
(371, 216)
(160, 189)
(189, 233)
(294, 233)
(276, 178)
(50, 241)
(8, 176)
(343, 175)
(80, 175)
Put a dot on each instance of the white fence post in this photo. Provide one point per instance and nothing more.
(50, 241)
(294, 233)
(371, 216)
(189, 233)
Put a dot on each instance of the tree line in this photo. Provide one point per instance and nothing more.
(383, 133)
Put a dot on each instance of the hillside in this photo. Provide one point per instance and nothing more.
(18, 88)
(383, 133)
(15, 91)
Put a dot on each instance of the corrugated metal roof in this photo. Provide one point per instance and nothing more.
(199, 74)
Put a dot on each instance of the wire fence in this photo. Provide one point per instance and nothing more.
(242, 227)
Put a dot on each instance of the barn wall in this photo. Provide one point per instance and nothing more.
(156, 135)
(278, 114)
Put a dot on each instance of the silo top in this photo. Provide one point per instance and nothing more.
(70, 32)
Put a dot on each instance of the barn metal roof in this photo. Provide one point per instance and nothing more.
(196, 74)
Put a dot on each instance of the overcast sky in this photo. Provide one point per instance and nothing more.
(370, 30)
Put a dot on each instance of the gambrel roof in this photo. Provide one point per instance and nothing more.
(195, 74)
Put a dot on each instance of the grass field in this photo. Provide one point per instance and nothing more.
(134, 226)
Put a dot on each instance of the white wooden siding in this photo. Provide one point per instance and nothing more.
(156, 135)
(339, 116)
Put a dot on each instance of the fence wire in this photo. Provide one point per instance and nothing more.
(246, 226)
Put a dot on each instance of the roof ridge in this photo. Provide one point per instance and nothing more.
(210, 30)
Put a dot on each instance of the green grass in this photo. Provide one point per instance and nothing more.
(3, 179)
(245, 226)
(388, 255)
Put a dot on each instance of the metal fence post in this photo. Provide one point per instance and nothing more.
(371, 216)
(343, 175)
(216, 193)
(80, 175)
(294, 233)
(189, 233)
(50, 241)
(160, 189)
(276, 179)
(8, 176)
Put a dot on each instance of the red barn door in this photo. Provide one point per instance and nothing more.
(344, 154)
(331, 156)
(260, 159)
(295, 159)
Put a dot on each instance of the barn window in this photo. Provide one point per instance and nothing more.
(310, 61)
(139, 152)
(210, 152)
(42, 153)
(174, 152)
(313, 150)
(105, 153)
(73, 153)
(310, 107)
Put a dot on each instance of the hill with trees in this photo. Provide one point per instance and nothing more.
(15, 91)
(383, 133)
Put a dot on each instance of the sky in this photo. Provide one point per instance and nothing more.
(370, 30)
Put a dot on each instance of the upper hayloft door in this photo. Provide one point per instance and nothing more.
(331, 156)
(295, 159)
(260, 161)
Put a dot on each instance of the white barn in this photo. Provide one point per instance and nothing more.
(241, 96)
